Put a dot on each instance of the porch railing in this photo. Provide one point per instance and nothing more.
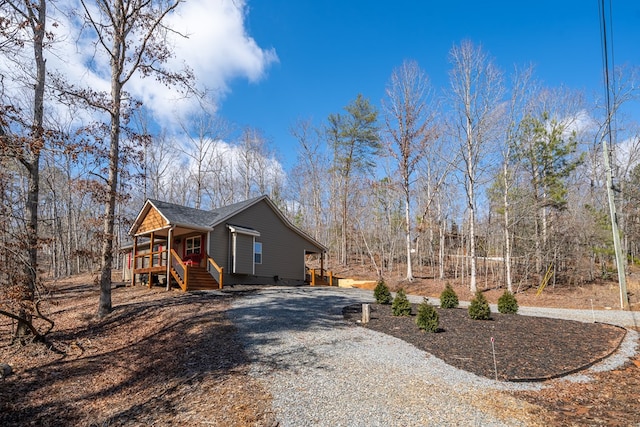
(179, 270)
(319, 279)
(217, 273)
(150, 260)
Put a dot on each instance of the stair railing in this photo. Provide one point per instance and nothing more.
(219, 270)
(179, 269)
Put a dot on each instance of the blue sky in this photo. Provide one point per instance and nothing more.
(329, 51)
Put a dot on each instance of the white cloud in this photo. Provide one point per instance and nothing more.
(628, 154)
(579, 123)
(217, 49)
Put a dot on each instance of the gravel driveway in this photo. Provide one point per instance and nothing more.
(324, 372)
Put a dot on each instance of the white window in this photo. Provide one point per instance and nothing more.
(192, 245)
(257, 252)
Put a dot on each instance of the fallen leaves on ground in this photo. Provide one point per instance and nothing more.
(608, 399)
(160, 358)
(170, 358)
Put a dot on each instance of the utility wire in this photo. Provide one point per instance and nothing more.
(620, 264)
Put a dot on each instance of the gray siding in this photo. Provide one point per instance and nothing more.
(243, 254)
(283, 249)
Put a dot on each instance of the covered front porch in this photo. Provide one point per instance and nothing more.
(175, 255)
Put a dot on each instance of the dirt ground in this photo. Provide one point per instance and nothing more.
(600, 295)
(170, 358)
(161, 358)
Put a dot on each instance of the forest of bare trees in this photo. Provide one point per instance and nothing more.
(498, 179)
(494, 177)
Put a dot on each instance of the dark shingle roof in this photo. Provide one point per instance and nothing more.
(186, 216)
(183, 215)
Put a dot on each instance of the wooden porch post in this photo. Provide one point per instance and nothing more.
(133, 266)
(150, 276)
(169, 245)
(322, 264)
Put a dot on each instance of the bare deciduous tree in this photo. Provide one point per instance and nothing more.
(311, 174)
(22, 133)
(476, 90)
(131, 33)
(409, 118)
(202, 149)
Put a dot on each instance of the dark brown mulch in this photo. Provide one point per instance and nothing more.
(526, 348)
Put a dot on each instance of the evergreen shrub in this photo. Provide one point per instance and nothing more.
(448, 297)
(381, 293)
(479, 307)
(401, 305)
(427, 318)
(507, 303)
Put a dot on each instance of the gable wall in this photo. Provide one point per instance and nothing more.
(152, 221)
(282, 249)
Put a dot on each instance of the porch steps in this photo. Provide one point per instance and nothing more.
(201, 279)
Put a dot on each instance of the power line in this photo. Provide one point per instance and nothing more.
(620, 264)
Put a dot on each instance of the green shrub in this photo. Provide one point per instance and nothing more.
(427, 318)
(381, 293)
(479, 307)
(401, 305)
(507, 303)
(449, 298)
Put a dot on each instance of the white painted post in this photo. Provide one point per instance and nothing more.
(365, 313)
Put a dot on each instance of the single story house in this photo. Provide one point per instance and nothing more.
(249, 242)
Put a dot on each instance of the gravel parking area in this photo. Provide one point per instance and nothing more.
(321, 371)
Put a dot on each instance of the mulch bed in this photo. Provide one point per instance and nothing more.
(526, 348)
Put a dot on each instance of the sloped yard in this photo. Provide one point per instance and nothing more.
(161, 358)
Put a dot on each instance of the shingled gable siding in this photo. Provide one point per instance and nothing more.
(153, 221)
(282, 248)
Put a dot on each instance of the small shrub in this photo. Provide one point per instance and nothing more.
(507, 303)
(427, 318)
(479, 307)
(449, 298)
(381, 293)
(401, 305)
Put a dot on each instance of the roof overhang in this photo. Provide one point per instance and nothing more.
(243, 230)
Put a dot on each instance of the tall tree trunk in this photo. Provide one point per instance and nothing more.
(407, 218)
(507, 237)
(104, 306)
(343, 225)
(31, 158)
(472, 212)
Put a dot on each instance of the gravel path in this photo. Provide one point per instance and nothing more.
(324, 372)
